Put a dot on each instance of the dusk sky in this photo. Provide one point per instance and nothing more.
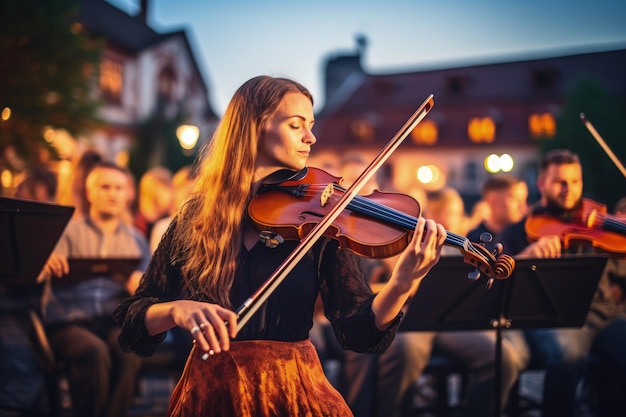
(235, 40)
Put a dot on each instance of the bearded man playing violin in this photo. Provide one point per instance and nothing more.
(565, 352)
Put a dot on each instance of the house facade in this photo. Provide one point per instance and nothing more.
(488, 112)
(143, 74)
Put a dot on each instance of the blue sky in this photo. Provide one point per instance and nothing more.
(235, 40)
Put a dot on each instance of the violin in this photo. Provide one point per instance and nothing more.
(587, 224)
(289, 205)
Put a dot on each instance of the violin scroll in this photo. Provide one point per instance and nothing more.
(495, 265)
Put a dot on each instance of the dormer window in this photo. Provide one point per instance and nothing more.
(362, 130)
(457, 84)
(166, 83)
(545, 79)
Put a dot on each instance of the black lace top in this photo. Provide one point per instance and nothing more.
(288, 313)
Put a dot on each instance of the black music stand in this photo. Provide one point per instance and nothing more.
(119, 269)
(540, 293)
(29, 230)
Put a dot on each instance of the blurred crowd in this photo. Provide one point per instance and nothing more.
(116, 216)
(372, 384)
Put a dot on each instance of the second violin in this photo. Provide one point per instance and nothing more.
(587, 224)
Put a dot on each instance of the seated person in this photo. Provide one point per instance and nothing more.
(77, 314)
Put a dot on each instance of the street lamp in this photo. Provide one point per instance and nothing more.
(187, 136)
(495, 163)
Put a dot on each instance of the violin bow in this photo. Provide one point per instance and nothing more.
(254, 302)
(603, 144)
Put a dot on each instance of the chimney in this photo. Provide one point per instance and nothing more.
(340, 67)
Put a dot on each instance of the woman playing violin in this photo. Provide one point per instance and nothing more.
(565, 352)
(210, 260)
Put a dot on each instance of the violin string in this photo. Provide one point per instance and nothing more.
(407, 221)
(613, 224)
(400, 218)
(382, 212)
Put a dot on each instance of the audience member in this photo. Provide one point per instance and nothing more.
(22, 384)
(182, 187)
(616, 267)
(564, 352)
(378, 385)
(77, 314)
(72, 191)
(183, 182)
(506, 198)
(154, 198)
(350, 167)
(446, 204)
(39, 185)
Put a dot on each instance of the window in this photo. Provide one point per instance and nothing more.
(457, 84)
(545, 79)
(425, 133)
(362, 130)
(541, 125)
(481, 129)
(111, 79)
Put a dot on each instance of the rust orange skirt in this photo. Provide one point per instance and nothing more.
(257, 378)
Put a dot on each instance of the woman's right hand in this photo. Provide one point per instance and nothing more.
(211, 325)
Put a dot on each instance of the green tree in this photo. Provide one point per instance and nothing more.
(48, 69)
(603, 181)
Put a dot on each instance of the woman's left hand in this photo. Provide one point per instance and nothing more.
(422, 253)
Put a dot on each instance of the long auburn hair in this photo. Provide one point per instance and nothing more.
(208, 237)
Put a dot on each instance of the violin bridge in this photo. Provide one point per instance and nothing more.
(328, 191)
(591, 218)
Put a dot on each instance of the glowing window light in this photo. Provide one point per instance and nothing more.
(49, 135)
(363, 130)
(542, 125)
(426, 133)
(111, 78)
(6, 178)
(427, 174)
(6, 114)
(481, 129)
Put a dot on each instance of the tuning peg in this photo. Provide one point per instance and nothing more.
(474, 275)
(497, 249)
(485, 237)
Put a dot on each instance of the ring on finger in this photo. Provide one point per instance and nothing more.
(195, 330)
(203, 325)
